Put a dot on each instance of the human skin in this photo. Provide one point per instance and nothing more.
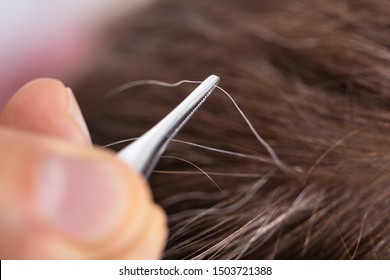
(62, 198)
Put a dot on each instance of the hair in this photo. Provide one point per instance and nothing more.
(312, 76)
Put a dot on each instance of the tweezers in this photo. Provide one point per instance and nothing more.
(144, 153)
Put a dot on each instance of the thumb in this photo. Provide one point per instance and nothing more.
(66, 201)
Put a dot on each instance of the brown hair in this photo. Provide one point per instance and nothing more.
(314, 79)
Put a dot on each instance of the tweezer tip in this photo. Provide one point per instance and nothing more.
(215, 77)
(144, 153)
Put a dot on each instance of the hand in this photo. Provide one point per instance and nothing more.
(60, 198)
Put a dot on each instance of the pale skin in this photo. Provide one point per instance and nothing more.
(63, 198)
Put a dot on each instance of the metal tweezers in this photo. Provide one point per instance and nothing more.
(144, 153)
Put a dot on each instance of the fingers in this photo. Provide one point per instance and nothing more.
(62, 201)
(47, 107)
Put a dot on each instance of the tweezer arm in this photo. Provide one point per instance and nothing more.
(144, 153)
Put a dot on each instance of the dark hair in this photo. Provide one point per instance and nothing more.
(314, 79)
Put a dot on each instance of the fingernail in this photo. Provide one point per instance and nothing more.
(76, 112)
(80, 198)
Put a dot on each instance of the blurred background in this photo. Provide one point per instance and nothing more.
(58, 39)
